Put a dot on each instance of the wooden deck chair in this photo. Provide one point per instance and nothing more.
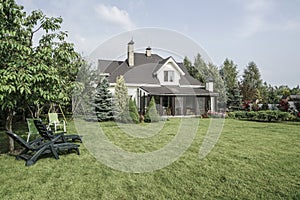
(54, 121)
(33, 151)
(31, 128)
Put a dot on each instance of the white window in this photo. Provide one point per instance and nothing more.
(169, 76)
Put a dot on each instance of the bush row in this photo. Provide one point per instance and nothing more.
(268, 115)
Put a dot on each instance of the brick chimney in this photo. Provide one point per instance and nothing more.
(130, 53)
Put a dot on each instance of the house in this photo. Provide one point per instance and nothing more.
(149, 75)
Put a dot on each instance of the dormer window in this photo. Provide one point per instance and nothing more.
(169, 76)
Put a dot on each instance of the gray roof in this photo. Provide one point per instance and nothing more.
(143, 70)
(177, 91)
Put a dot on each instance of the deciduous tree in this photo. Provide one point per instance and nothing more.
(229, 74)
(33, 75)
(121, 100)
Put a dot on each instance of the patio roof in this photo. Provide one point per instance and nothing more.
(177, 91)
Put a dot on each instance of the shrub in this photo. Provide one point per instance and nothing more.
(151, 114)
(133, 112)
(269, 115)
(286, 116)
(216, 114)
(251, 115)
(231, 115)
(265, 106)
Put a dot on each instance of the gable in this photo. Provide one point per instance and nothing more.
(168, 73)
(168, 64)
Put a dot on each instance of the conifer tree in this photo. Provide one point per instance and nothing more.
(133, 111)
(103, 101)
(151, 114)
(251, 81)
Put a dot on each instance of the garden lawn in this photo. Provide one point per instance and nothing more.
(250, 161)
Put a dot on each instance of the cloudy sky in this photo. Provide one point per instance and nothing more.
(264, 31)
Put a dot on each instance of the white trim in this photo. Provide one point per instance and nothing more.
(104, 74)
(192, 86)
(137, 85)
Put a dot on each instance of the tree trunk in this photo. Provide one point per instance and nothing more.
(8, 126)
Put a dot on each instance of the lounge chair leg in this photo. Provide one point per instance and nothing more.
(33, 159)
(77, 150)
(18, 157)
(54, 152)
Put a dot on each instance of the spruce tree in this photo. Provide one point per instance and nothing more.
(103, 101)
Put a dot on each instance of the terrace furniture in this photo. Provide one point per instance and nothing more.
(54, 121)
(34, 150)
(31, 128)
(48, 134)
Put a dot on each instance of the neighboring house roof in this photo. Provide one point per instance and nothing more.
(177, 91)
(143, 71)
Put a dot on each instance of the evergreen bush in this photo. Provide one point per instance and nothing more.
(151, 114)
(133, 112)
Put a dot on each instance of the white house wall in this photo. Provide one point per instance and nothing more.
(132, 91)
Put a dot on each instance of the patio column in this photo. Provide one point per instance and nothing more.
(213, 104)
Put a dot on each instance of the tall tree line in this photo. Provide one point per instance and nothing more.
(234, 89)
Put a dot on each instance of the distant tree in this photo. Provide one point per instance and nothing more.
(229, 74)
(264, 92)
(295, 90)
(213, 72)
(203, 71)
(151, 114)
(84, 91)
(283, 91)
(103, 101)
(272, 95)
(190, 67)
(251, 82)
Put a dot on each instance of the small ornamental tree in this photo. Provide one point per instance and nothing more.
(133, 111)
(121, 100)
(103, 101)
(151, 114)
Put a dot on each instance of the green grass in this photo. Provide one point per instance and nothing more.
(250, 161)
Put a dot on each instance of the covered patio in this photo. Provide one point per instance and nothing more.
(177, 101)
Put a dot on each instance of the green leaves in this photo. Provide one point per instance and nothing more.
(34, 74)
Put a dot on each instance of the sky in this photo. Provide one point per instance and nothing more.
(264, 31)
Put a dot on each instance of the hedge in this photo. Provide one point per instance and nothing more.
(266, 116)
